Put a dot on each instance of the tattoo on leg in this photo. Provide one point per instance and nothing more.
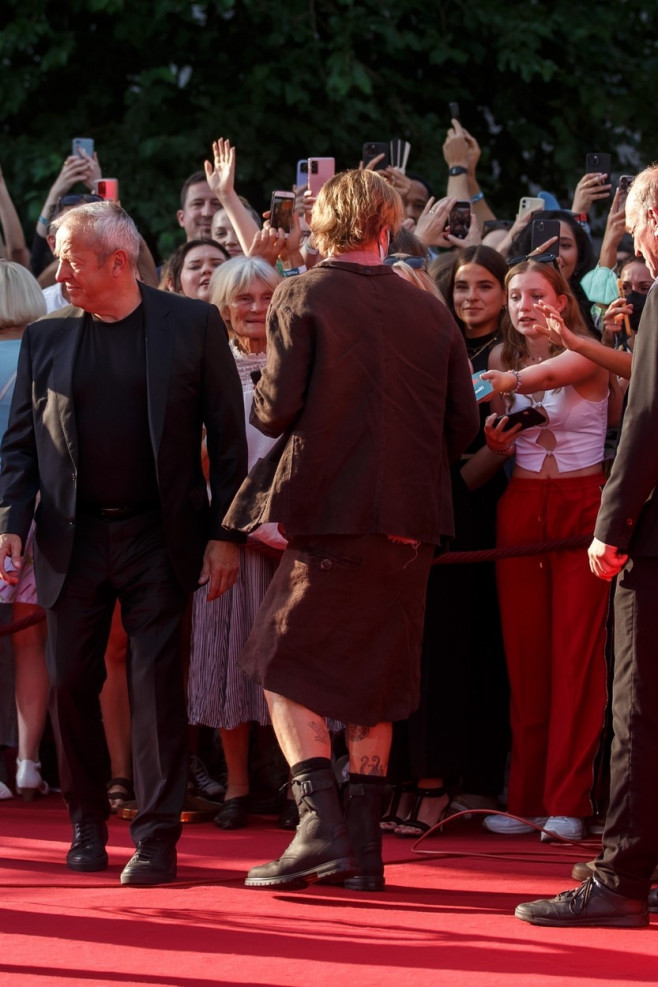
(318, 730)
(372, 766)
(356, 733)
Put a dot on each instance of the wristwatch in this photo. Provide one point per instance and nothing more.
(457, 170)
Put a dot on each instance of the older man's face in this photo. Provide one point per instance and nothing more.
(642, 224)
(88, 282)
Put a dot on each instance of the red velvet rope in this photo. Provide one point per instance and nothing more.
(448, 558)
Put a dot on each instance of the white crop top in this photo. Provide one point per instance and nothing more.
(577, 430)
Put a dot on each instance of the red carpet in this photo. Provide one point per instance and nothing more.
(442, 920)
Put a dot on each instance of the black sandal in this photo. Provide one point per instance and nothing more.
(119, 791)
(391, 819)
(412, 828)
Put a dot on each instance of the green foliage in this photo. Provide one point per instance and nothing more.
(539, 85)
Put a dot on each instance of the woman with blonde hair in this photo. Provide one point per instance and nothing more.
(22, 302)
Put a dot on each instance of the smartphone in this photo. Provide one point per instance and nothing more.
(598, 161)
(107, 188)
(459, 220)
(454, 111)
(302, 172)
(526, 418)
(372, 149)
(625, 182)
(320, 170)
(281, 209)
(482, 388)
(86, 143)
(529, 203)
(543, 230)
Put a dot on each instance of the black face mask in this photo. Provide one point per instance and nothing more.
(638, 302)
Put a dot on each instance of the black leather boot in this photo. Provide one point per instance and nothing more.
(320, 848)
(363, 812)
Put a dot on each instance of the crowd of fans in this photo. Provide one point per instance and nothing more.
(513, 681)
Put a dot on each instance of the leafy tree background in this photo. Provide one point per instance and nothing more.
(154, 82)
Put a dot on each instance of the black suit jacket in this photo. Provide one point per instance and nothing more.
(191, 381)
(628, 517)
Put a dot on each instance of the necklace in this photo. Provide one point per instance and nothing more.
(485, 346)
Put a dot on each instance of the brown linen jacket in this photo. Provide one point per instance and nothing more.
(368, 383)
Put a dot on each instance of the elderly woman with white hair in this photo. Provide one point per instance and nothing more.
(219, 693)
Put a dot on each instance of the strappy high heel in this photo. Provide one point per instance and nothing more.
(413, 827)
(392, 816)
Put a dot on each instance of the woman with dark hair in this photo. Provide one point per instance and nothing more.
(553, 610)
(189, 269)
(463, 656)
(576, 256)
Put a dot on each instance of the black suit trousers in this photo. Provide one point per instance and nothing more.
(125, 560)
(630, 840)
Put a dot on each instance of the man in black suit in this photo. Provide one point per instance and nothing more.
(105, 429)
(626, 543)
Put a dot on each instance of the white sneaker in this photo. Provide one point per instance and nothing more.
(512, 827)
(5, 793)
(569, 827)
(28, 779)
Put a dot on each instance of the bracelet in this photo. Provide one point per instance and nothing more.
(519, 382)
(457, 170)
(42, 219)
(478, 197)
(295, 270)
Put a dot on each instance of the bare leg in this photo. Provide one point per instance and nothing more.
(114, 700)
(235, 744)
(31, 682)
(369, 748)
(301, 733)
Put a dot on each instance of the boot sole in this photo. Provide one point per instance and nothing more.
(341, 868)
(363, 883)
(88, 866)
(613, 922)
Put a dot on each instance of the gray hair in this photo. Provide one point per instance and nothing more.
(233, 277)
(105, 225)
(21, 298)
(643, 194)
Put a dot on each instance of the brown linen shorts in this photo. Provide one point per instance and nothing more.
(340, 628)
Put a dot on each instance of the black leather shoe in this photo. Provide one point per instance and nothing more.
(233, 813)
(153, 862)
(87, 851)
(591, 904)
(652, 901)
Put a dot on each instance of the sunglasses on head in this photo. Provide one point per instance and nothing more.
(77, 200)
(418, 263)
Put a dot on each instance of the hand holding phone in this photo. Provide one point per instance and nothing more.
(545, 240)
(459, 220)
(625, 182)
(526, 418)
(85, 144)
(529, 203)
(375, 149)
(320, 170)
(282, 207)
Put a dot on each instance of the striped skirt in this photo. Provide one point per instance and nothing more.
(219, 693)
